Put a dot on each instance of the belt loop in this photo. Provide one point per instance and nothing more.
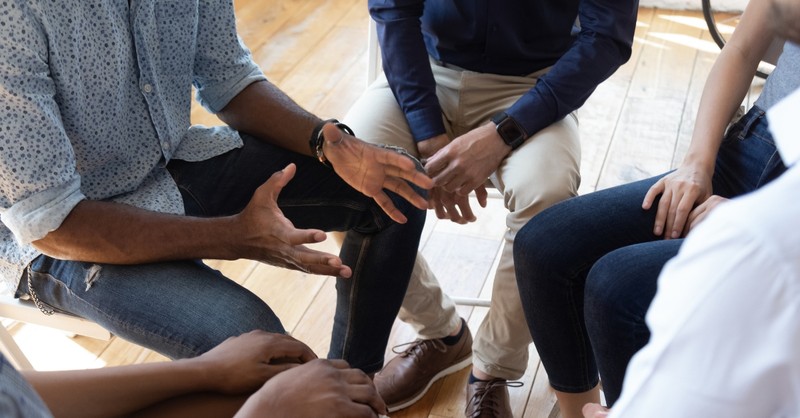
(751, 122)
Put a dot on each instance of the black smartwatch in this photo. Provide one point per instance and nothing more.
(510, 130)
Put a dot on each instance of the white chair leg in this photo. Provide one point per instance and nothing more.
(12, 351)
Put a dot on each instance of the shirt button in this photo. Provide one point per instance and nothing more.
(165, 145)
(147, 88)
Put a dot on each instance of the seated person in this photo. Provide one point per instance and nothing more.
(724, 321)
(477, 92)
(587, 267)
(109, 199)
(251, 373)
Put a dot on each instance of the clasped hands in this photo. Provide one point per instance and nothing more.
(459, 167)
(287, 378)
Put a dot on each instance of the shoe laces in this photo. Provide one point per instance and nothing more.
(418, 347)
(483, 399)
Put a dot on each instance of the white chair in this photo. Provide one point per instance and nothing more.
(25, 311)
(373, 53)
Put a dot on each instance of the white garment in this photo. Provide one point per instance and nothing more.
(725, 322)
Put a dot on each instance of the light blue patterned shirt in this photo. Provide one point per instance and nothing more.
(96, 97)
(17, 398)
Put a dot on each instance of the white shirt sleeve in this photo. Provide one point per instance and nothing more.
(724, 329)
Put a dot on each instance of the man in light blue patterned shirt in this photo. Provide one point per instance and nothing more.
(109, 198)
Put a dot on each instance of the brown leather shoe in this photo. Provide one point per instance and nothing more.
(489, 399)
(406, 378)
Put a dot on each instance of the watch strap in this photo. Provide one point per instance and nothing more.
(317, 139)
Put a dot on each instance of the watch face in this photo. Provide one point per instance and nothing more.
(511, 133)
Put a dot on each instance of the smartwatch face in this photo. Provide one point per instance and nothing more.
(510, 132)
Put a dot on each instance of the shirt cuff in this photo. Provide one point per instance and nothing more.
(534, 121)
(216, 97)
(33, 218)
(425, 123)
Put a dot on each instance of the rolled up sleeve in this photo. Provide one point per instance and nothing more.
(39, 183)
(223, 65)
(33, 218)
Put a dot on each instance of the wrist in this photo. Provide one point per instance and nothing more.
(699, 162)
(317, 141)
(196, 374)
(430, 146)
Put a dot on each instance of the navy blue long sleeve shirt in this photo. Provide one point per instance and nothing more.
(509, 37)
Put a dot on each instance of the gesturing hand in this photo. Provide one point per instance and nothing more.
(320, 388)
(268, 236)
(680, 191)
(370, 169)
(242, 364)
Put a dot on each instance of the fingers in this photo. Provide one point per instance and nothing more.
(367, 395)
(402, 166)
(308, 260)
(388, 206)
(440, 210)
(452, 212)
(661, 213)
(357, 387)
(697, 215)
(453, 207)
(339, 363)
(481, 194)
(305, 236)
(332, 134)
(466, 209)
(284, 347)
(404, 190)
(701, 211)
(317, 262)
(652, 193)
(279, 179)
(362, 390)
(682, 211)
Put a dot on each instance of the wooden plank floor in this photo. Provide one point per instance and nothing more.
(637, 124)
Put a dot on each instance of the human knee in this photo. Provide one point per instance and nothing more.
(607, 294)
(544, 245)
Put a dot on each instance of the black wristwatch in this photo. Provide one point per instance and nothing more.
(317, 139)
(510, 130)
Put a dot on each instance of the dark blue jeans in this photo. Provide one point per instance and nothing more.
(587, 267)
(184, 308)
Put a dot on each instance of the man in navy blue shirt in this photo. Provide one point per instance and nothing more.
(484, 89)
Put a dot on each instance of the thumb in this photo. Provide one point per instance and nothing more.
(279, 179)
(276, 182)
(332, 134)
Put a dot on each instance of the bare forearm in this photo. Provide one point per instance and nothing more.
(116, 391)
(727, 84)
(262, 110)
(105, 232)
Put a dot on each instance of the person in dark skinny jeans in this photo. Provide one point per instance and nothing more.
(587, 267)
